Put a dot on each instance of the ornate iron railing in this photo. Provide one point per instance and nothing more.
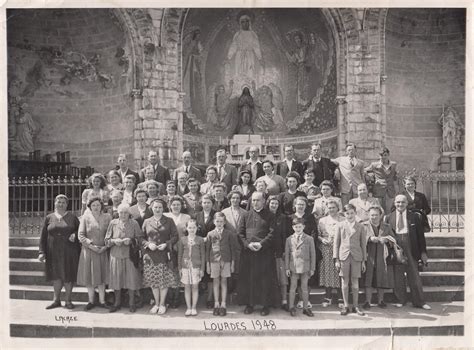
(30, 199)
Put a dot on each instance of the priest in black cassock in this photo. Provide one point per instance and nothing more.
(258, 280)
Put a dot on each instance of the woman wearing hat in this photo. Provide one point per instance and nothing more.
(59, 248)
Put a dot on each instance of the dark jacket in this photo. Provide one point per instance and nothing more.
(205, 227)
(415, 231)
(282, 169)
(228, 247)
(162, 174)
(323, 170)
(420, 205)
(165, 232)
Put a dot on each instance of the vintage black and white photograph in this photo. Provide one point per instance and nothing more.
(236, 172)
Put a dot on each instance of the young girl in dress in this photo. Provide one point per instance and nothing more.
(191, 264)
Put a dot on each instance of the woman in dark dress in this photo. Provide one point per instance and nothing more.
(280, 234)
(140, 211)
(245, 187)
(59, 247)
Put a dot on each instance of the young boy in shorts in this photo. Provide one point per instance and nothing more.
(221, 250)
(350, 254)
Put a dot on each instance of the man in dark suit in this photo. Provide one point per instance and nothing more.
(254, 165)
(226, 173)
(322, 167)
(124, 170)
(162, 174)
(188, 168)
(408, 229)
(289, 163)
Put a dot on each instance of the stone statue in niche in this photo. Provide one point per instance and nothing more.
(25, 129)
(452, 130)
(218, 105)
(244, 59)
(192, 70)
(246, 112)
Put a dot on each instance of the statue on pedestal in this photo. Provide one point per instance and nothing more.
(452, 130)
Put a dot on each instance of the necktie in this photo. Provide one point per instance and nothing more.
(187, 170)
(352, 162)
(220, 172)
(401, 224)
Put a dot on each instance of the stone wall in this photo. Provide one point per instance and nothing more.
(425, 66)
(72, 68)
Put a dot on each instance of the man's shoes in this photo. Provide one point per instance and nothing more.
(308, 312)
(69, 305)
(285, 307)
(132, 308)
(382, 305)
(293, 311)
(344, 311)
(104, 305)
(114, 308)
(222, 311)
(426, 307)
(54, 305)
(248, 310)
(89, 306)
(366, 305)
(358, 311)
(216, 311)
(265, 311)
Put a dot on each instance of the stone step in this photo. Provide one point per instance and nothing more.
(442, 278)
(444, 252)
(24, 241)
(445, 265)
(24, 252)
(317, 295)
(445, 240)
(26, 264)
(30, 319)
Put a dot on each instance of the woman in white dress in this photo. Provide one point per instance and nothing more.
(320, 208)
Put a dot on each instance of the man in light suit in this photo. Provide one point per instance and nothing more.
(407, 227)
(254, 165)
(322, 167)
(289, 163)
(351, 172)
(226, 173)
(162, 174)
(124, 170)
(188, 168)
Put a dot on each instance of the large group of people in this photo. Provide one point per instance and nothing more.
(268, 232)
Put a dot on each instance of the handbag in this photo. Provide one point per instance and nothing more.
(135, 253)
(396, 256)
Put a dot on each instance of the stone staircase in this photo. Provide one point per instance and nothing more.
(443, 279)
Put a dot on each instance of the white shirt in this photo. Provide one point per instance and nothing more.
(401, 216)
(289, 163)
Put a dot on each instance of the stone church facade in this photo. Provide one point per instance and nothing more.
(100, 82)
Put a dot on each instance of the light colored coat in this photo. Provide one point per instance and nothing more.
(300, 257)
(350, 241)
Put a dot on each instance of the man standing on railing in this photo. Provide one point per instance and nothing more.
(162, 174)
(408, 229)
(124, 170)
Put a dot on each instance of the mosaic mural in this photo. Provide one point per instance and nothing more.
(258, 71)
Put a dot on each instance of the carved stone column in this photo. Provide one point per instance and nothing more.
(137, 97)
(383, 107)
(341, 122)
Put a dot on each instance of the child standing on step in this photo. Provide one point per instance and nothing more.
(221, 248)
(300, 263)
(191, 264)
(350, 254)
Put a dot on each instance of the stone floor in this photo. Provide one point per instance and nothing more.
(30, 319)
